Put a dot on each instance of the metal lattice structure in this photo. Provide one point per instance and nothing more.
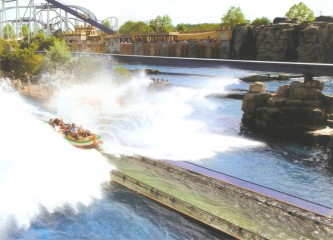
(47, 16)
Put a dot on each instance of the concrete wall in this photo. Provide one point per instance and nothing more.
(182, 206)
(256, 214)
(112, 46)
(138, 48)
(127, 48)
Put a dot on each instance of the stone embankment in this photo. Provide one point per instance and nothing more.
(285, 40)
(296, 110)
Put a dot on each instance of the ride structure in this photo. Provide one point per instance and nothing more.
(48, 16)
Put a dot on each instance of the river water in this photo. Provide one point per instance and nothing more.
(54, 191)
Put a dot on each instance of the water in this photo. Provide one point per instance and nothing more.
(180, 122)
(51, 190)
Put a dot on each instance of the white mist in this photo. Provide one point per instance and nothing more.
(38, 168)
(133, 118)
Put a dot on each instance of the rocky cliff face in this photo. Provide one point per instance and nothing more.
(243, 43)
(285, 41)
(315, 43)
(277, 42)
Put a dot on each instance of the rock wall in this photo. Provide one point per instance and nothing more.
(316, 43)
(293, 110)
(277, 42)
(285, 41)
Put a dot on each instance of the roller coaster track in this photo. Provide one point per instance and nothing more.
(86, 18)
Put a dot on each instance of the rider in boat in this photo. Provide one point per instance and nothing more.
(74, 131)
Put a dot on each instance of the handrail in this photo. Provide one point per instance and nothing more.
(313, 69)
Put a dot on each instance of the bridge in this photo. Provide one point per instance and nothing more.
(309, 70)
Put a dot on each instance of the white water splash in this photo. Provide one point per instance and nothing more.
(134, 119)
(38, 168)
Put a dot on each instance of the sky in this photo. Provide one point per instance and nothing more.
(194, 11)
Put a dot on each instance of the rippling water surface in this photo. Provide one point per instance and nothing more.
(182, 121)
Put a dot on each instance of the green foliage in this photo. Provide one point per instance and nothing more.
(25, 31)
(300, 12)
(261, 21)
(233, 17)
(57, 56)
(23, 61)
(121, 73)
(158, 25)
(161, 24)
(181, 27)
(107, 24)
(58, 34)
(47, 43)
(131, 27)
(202, 27)
(8, 31)
(40, 42)
(7, 46)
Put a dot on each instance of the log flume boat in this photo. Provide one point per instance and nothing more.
(77, 136)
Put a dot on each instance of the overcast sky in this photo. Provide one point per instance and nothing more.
(195, 11)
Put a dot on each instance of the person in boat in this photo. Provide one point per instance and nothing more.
(56, 124)
(74, 131)
(84, 133)
(51, 122)
(65, 129)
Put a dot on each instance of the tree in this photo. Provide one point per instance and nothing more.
(181, 27)
(107, 24)
(8, 31)
(261, 21)
(162, 24)
(300, 12)
(23, 61)
(25, 31)
(233, 17)
(129, 27)
(58, 55)
(8, 46)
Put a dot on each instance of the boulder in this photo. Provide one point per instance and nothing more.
(265, 77)
(296, 84)
(317, 117)
(294, 110)
(252, 101)
(278, 20)
(255, 78)
(294, 103)
(270, 115)
(283, 91)
(322, 136)
(276, 102)
(317, 84)
(324, 19)
(257, 87)
(302, 93)
(328, 104)
(313, 103)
